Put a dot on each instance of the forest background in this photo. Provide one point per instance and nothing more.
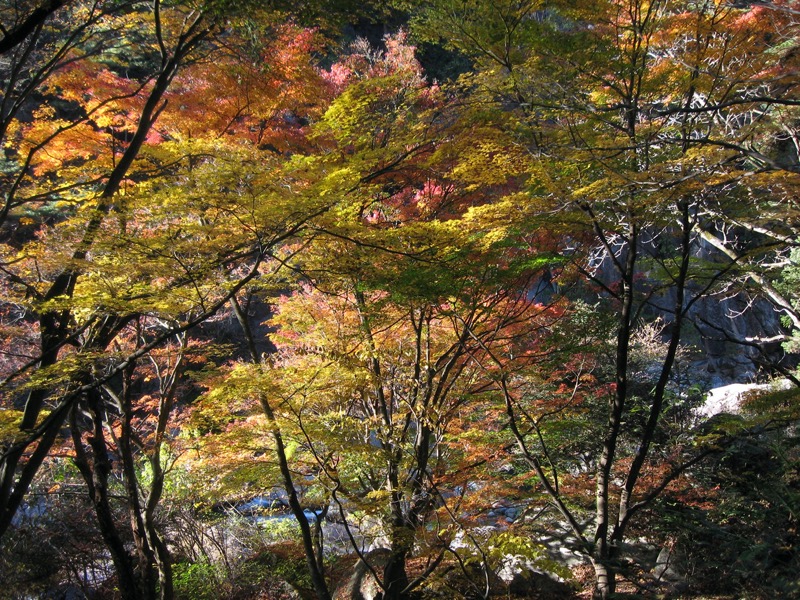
(451, 279)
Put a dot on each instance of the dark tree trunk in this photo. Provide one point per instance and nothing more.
(136, 581)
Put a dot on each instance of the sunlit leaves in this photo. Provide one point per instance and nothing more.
(272, 91)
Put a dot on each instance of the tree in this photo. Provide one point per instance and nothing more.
(372, 389)
(181, 222)
(628, 109)
(126, 439)
(53, 316)
(381, 360)
(21, 23)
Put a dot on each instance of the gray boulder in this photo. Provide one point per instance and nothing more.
(362, 584)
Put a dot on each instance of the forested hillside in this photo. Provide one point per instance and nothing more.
(408, 300)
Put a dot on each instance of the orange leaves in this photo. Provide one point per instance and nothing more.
(92, 110)
(266, 98)
(90, 114)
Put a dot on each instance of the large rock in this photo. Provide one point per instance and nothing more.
(362, 584)
(523, 578)
(668, 572)
(728, 398)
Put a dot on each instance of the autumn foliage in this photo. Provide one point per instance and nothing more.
(248, 254)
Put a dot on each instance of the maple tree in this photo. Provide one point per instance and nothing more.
(372, 390)
(49, 286)
(641, 117)
(381, 362)
(128, 429)
(155, 229)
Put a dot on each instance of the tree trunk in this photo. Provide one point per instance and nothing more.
(95, 467)
(395, 578)
(605, 580)
(55, 325)
(313, 552)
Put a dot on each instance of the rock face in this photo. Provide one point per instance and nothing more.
(722, 322)
(738, 333)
